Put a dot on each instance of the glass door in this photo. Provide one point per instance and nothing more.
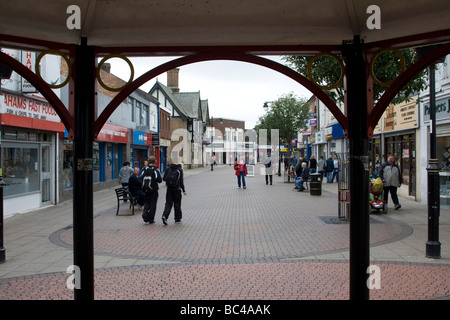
(46, 175)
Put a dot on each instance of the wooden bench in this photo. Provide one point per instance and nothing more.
(123, 194)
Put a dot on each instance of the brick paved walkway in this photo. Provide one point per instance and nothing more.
(262, 243)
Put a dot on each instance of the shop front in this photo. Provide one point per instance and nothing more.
(108, 156)
(319, 144)
(335, 137)
(28, 143)
(398, 134)
(442, 144)
(144, 145)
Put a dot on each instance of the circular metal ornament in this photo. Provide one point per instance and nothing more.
(372, 63)
(99, 67)
(309, 70)
(64, 57)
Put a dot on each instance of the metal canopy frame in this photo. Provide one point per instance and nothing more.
(358, 120)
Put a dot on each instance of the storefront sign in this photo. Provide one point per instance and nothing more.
(113, 133)
(334, 131)
(142, 138)
(400, 117)
(155, 139)
(442, 110)
(319, 137)
(29, 60)
(24, 107)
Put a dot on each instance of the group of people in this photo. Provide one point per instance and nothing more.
(389, 173)
(144, 184)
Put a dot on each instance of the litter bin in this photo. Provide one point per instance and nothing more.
(315, 184)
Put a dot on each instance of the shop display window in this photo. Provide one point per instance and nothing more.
(443, 155)
(20, 164)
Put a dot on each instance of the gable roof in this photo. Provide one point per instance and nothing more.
(167, 92)
(186, 104)
(190, 104)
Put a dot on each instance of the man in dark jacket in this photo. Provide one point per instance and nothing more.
(151, 196)
(329, 168)
(392, 178)
(302, 176)
(175, 184)
(135, 187)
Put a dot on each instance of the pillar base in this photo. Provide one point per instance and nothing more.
(2, 255)
(433, 250)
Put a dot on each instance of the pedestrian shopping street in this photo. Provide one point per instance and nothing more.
(264, 242)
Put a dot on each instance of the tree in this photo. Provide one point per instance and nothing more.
(326, 71)
(288, 114)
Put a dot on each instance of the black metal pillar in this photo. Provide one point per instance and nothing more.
(83, 239)
(353, 53)
(433, 246)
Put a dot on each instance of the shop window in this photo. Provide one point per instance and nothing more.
(68, 164)
(443, 152)
(145, 117)
(138, 113)
(20, 164)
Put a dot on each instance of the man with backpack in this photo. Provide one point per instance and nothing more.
(151, 177)
(175, 184)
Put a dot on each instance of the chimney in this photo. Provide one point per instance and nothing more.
(172, 79)
(106, 67)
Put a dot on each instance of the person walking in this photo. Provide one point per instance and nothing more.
(320, 167)
(151, 178)
(144, 167)
(241, 171)
(329, 168)
(124, 175)
(135, 188)
(267, 162)
(211, 162)
(392, 178)
(175, 184)
(335, 168)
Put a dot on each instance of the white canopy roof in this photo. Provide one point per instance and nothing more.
(145, 23)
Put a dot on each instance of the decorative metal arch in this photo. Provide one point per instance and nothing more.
(42, 87)
(243, 57)
(400, 82)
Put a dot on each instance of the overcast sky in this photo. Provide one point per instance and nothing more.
(235, 90)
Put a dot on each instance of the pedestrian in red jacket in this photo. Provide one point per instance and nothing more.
(241, 172)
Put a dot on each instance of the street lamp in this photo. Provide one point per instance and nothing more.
(433, 246)
(266, 107)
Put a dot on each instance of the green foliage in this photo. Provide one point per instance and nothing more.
(288, 114)
(326, 71)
